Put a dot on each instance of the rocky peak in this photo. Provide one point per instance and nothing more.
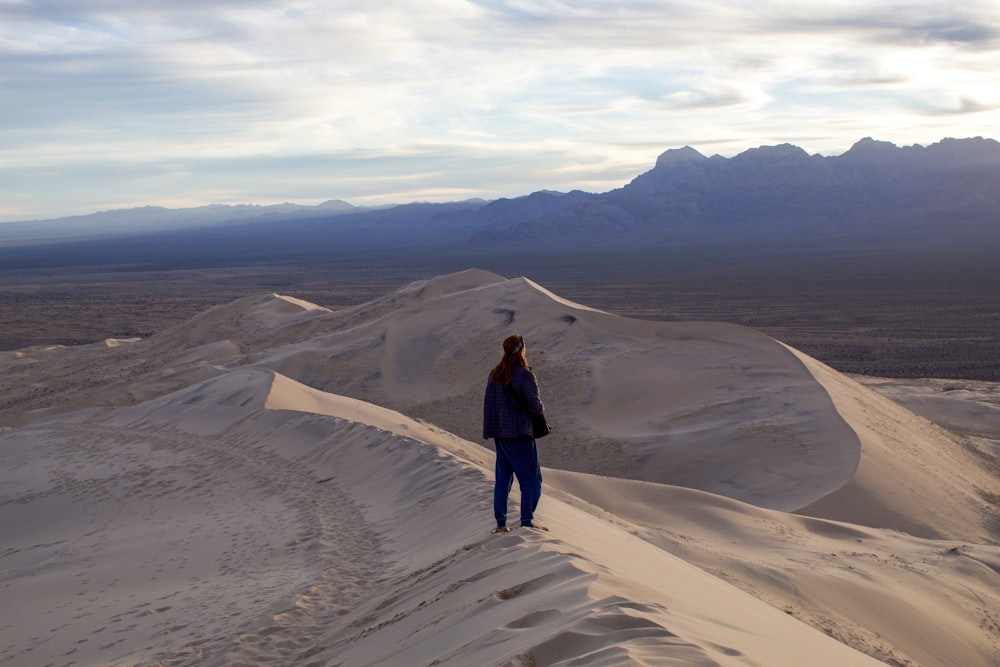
(679, 156)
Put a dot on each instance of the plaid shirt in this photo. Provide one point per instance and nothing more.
(504, 416)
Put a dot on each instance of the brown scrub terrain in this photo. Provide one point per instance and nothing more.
(887, 312)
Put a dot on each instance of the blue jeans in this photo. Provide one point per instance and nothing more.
(517, 457)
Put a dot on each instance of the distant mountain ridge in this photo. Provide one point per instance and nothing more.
(778, 180)
(784, 188)
(154, 218)
(952, 186)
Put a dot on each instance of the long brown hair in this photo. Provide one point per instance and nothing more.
(513, 355)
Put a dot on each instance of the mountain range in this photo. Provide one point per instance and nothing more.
(949, 190)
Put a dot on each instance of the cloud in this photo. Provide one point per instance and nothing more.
(958, 106)
(266, 88)
(973, 22)
(711, 95)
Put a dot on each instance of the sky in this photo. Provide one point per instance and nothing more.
(108, 104)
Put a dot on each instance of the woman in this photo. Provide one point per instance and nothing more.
(511, 393)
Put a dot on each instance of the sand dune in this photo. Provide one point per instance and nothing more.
(276, 483)
(913, 475)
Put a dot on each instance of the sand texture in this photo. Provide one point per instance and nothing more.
(275, 483)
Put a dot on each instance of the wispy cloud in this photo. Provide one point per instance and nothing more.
(266, 100)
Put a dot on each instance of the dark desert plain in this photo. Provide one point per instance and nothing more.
(907, 312)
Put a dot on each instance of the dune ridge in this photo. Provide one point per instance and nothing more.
(271, 483)
(913, 475)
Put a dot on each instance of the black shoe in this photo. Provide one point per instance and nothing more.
(534, 525)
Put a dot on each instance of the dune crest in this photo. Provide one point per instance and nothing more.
(304, 305)
(913, 476)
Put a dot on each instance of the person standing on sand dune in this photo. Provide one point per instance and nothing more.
(511, 394)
